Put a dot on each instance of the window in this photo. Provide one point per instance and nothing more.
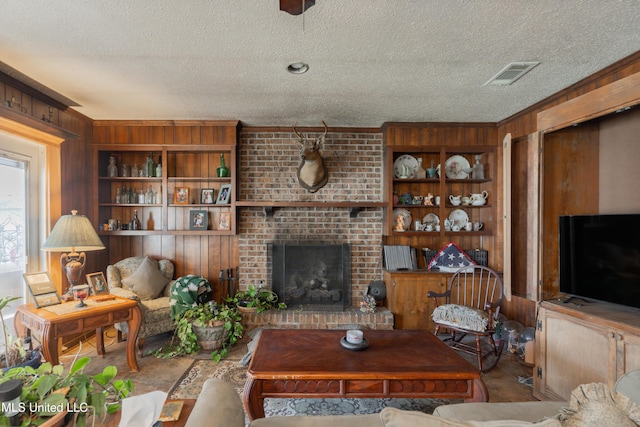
(20, 175)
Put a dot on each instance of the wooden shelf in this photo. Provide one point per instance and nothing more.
(129, 232)
(269, 206)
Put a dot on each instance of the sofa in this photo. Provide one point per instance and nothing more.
(591, 405)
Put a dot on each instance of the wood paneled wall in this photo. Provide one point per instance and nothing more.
(524, 124)
(192, 254)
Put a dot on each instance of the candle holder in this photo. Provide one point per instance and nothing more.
(80, 293)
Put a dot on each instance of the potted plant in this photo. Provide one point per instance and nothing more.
(209, 326)
(256, 300)
(15, 354)
(50, 397)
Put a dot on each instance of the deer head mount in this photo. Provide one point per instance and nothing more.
(312, 172)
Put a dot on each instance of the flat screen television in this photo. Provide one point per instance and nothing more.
(600, 257)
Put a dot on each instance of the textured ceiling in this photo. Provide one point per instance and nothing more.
(370, 61)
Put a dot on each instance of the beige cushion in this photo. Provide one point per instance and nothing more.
(629, 385)
(392, 417)
(461, 316)
(596, 405)
(489, 411)
(368, 420)
(147, 281)
(218, 404)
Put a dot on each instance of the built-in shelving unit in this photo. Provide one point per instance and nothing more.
(187, 169)
(400, 189)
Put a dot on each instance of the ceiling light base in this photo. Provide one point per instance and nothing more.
(296, 7)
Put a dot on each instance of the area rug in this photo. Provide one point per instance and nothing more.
(189, 386)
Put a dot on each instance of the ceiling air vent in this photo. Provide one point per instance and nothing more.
(511, 73)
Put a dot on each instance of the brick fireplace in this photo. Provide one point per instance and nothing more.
(268, 163)
(312, 276)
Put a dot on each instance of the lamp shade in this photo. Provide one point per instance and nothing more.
(73, 233)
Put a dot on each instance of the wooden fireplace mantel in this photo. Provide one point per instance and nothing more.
(269, 206)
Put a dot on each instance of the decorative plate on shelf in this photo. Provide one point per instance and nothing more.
(459, 217)
(408, 161)
(406, 215)
(457, 167)
(431, 218)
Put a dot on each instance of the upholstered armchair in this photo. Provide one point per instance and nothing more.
(149, 282)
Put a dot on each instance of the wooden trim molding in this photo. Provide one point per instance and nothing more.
(604, 100)
(506, 214)
(53, 189)
(32, 129)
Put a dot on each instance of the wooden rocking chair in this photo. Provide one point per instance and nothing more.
(472, 304)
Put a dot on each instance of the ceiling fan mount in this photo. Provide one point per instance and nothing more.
(296, 7)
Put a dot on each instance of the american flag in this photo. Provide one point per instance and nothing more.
(450, 259)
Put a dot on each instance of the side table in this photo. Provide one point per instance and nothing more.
(96, 316)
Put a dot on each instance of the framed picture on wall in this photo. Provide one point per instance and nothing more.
(198, 220)
(98, 283)
(207, 196)
(225, 195)
(224, 221)
(181, 196)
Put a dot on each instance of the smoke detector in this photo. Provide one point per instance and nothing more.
(511, 73)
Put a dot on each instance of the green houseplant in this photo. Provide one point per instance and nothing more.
(48, 391)
(190, 332)
(256, 300)
(14, 354)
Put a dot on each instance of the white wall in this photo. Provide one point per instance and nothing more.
(620, 163)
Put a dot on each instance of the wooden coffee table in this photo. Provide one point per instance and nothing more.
(311, 363)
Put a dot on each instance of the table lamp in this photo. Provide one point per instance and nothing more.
(73, 233)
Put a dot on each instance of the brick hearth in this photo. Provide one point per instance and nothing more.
(381, 319)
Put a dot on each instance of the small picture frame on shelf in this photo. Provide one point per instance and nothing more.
(224, 221)
(98, 283)
(45, 300)
(225, 195)
(198, 220)
(42, 289)
(207, 196)
(181, 196)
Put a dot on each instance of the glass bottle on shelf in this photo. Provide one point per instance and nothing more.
(134, 170)
(478, 168)
(112, 169)
(151, 166)
(159, 167)
(420, 172)
(222, 170)
(118, 195)
(141, 196)
(125, 171)
(135, 222)
(148, 197)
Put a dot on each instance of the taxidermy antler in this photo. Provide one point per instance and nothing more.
(312, 173)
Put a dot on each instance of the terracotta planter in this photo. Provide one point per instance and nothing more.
(242, 309)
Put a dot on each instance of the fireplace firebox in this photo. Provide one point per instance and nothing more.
(312, 277)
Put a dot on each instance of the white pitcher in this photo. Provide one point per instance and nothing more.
(479, 198)
(455, 200)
